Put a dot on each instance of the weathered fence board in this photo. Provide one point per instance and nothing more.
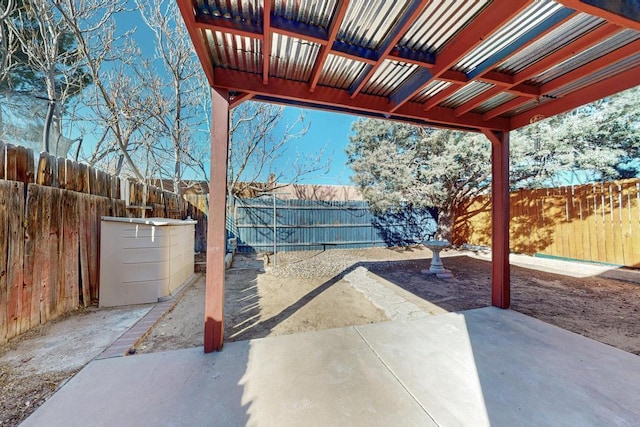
(2, 157)
(15, 234)
(84, 210)
(50, 214)
(5, 192)
(30, 288)
(197, 209)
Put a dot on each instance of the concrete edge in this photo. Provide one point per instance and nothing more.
(126, 343)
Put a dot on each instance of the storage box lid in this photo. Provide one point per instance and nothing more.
(151, 221)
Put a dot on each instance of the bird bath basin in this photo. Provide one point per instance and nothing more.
(435, 246)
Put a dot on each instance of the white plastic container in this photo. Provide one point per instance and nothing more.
(144, 260)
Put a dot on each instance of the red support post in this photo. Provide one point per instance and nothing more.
(216, 231)
(500, 271)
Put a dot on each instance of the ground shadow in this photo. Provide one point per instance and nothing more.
(408, 226)
(603, 309)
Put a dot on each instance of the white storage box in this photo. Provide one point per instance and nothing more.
(144, 260)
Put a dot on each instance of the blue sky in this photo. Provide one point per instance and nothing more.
(326, 129)
(330, 130)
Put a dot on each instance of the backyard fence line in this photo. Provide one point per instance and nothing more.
(597, 222)
(319, 225)
(50, 212)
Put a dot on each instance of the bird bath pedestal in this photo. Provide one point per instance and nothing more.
(435, 246)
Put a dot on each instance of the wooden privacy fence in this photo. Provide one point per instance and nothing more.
(50, 213)
(595, 222)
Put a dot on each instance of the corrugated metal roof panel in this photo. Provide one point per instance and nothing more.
(529, 18)
(292, 58)
(618, 67)
(565, 34)
(367, 22)
(235, 52)
(388, 77)
(527, 106)
(340, 72)
(465, 93)
(494, 102)
(312, 12)
(250, 10)
(430, 90)
(440, 21)
(609, 45)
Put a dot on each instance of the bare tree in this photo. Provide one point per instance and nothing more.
(258, 148)
(44, 63)
(177, 87)
(109, 57)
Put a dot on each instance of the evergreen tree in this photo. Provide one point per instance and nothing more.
(398, 165)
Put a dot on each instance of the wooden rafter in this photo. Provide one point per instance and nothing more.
(593, 92)
(239, 99)
(410, 14)
(341, 11)
(592, 67)
(197, 38)
(562, 54)
(525, 40)
(441, 96)
(507, 106)
(266, 41)
(291, 93)
(621, 12)
(490, 20)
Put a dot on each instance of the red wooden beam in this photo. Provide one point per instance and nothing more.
(266, 40)
(488, 94)
(562, 54)
(474, 102)
(500, 269)
(496, 78)
(453, 77)
(610, 14)
(239, 99)
(407, 21)
(441, 96)
(216, 229)
(197, 38)
(222, 25)
(338, 17)
(596, 65)
(393, 55)
(522, 89)
(290, 92)
(593, 92)
(507, 106)
(489, 21)
(291, 33)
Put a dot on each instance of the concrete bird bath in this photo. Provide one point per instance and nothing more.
(435, 246)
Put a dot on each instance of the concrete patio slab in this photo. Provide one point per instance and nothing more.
(501, 368)
(479, 367)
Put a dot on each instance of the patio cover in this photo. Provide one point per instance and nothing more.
(473, 65)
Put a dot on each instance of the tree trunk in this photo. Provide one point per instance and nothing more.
(445, 224)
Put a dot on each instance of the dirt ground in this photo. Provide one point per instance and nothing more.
(304, 291)
(307, 291)
(36, 364)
